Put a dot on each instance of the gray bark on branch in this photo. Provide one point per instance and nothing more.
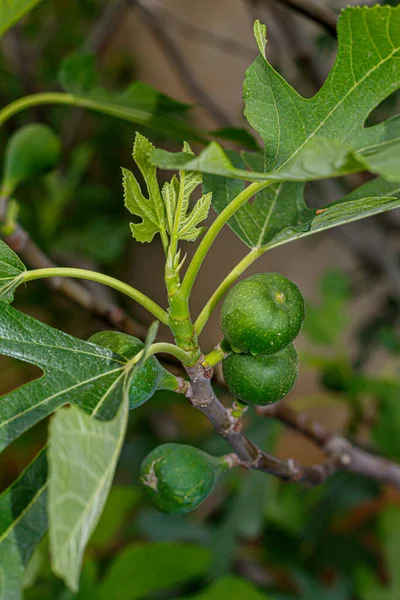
(341, 455)
(251, 456)
(345, 455)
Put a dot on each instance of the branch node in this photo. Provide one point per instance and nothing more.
(208, 372)
(202, 402)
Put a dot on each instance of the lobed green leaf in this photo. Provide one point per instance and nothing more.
(310, 139)
(75, 372)
(279, 214)
(366, 71)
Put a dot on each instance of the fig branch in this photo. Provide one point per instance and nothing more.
(347, 456)
(221, 351)
(202, 396)
(341, 454)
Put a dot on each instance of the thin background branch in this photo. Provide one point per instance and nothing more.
(316, 11)
(152, 20)
(187, 30)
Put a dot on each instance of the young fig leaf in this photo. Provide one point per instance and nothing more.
(151, 209)
(176, 195)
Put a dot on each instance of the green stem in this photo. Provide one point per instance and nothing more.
(229, 461)
(157, 348)
(116, 284)
(181, 324)
(165, 242)
(28, 101)
(130, 114)
(174, 234)
(214, 230)
(215, 356)
(224, 286)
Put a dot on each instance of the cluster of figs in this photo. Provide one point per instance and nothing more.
(260, 318)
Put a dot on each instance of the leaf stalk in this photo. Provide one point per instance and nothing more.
(214, 230)
(160, 347)
(225, 285)
(116, 284)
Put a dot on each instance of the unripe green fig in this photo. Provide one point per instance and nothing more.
(262, 314)
(263, 379)
(31, 151)
(177, 478)
(146, 381)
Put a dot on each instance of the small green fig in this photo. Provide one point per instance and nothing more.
(262, 314)
(263, 379)
(177, 478)
(31, 151)
(146, 381)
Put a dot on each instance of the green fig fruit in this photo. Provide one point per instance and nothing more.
(262, 314)
(177, 478)
(263, 379)
(31, 151)
(146, 381)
